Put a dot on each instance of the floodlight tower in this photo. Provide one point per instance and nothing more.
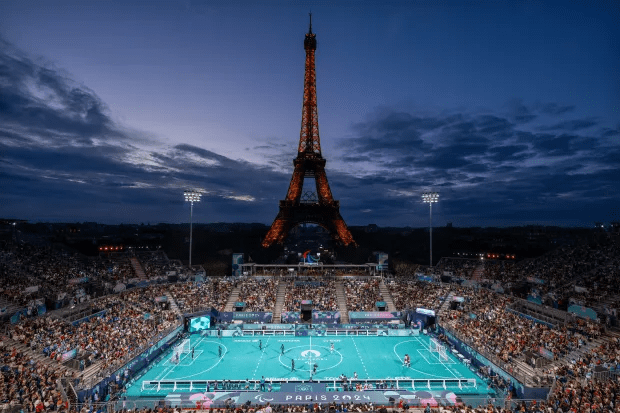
(430, 198)
(191, 197)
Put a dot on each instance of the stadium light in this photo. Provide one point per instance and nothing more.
(191, 197)
(430, 198)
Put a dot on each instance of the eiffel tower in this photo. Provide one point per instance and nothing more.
(313, 207)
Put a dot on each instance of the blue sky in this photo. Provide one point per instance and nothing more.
(510, 110)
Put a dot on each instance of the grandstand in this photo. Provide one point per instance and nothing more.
(129, 330)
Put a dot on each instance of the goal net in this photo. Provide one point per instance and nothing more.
(443, 356)
(179, 350)
(436, 347)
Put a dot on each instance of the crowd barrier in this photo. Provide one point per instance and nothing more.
(333, 384)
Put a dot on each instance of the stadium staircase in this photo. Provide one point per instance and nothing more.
(387, 296)
(89, 375)
(173, 304)
(446, 304)
(341, 298)
(477, 274)
(41, 359)
(36, 356)
(137, 268)
(280, 296)
(232, 299)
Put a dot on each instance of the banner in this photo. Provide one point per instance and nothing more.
(329, 317)
(79, 280)
(71, 354)
(309, 259)
(425, 311)
(230, 316)
(290, 316)
(583, 312)
(382, 260)
(366, 316)
(221, 399)
(303, 387)
(534, 299)
(237, 261)
(545, 353)
(535, 280)
(275, 327)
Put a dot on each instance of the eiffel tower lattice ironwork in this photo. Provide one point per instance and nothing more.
(298, 208)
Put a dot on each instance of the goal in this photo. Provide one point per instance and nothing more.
(179, 350)
(436, 347)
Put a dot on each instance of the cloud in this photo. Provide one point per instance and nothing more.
(554, 108)
(490, 165)
(65, 158)
(571, 125)
(61, 149)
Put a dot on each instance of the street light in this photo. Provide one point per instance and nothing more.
(191, 197)
(430, 198)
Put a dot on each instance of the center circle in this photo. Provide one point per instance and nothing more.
(306, 358)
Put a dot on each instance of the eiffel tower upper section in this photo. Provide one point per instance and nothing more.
(324, 211)
(309, 141)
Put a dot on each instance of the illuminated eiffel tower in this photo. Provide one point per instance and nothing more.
(320, 207)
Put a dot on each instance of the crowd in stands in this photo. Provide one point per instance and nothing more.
(191, 297)
(408, 292)
(405, 269)
(26, 269)
(591, 265)
(134, 318)
(487, 324)
(258, 294)
(362, 294)
(322, 293)
(131, 322)
(156, 264)
(29, 384)
(458, 267)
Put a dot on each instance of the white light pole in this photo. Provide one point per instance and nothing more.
(191, 197)
(430, 198)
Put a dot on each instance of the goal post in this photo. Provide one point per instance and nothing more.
(436, 347)
(443, 356)
(184, 346)
(179, 350)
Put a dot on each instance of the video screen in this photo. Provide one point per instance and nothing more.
(199, 324)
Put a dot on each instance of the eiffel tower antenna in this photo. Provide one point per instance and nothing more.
(324, 211)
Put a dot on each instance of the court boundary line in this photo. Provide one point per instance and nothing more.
(168, 370)
(262, 353)
(219, 343)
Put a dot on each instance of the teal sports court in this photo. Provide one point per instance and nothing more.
(244, 360)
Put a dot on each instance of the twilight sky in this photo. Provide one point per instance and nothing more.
(509, 109)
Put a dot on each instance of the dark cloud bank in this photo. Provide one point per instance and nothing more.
(63, 158)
